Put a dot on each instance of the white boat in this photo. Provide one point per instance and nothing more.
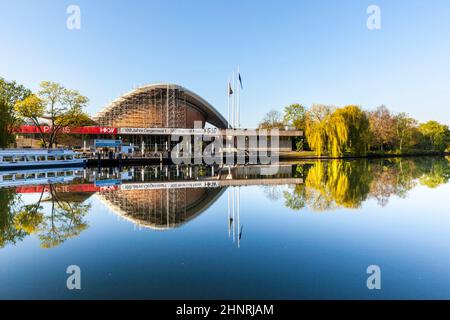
(31, 158)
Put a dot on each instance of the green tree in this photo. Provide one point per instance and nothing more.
(435, 134)
(7, 122)
(295, 116)
(63, 107)
(74, 100)
(405, 127)
(10, 93)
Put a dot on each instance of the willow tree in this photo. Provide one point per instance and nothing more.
(337, 183)
(348, 182)
(337, 131)
(316, 195)
(316, 127)
(358, 129)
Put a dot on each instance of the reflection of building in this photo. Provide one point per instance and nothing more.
(165, 203)
(161, 209)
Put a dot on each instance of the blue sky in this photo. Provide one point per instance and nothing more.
(288, 51)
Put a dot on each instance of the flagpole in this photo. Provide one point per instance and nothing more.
(238, 101)
(228, 94)
(229, 215)
(233, 198)
(233, 100)
(238, 200)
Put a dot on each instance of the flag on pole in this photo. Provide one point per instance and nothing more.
(240, 81)
(230, 90)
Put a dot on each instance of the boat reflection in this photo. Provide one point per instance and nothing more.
(16, 177)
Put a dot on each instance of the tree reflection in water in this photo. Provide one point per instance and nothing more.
(347, 184)
(9, 203)
(57, 216)
(64, 220)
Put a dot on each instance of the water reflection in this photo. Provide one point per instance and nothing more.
(63, 219)
(166, 197)
(160, 209)
(155, 197)
(347, 184)
(9, 234)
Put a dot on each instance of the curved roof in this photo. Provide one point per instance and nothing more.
(211, 114)
(191, 211)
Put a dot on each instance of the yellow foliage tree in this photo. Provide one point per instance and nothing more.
(316, 127)
(344, 129)
(32, 108)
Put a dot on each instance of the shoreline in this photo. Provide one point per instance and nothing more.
(305, 156)
(282, 157)
(291, 156)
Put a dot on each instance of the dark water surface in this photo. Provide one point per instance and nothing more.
(166, 232)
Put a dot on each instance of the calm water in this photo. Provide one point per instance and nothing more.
(167, 232)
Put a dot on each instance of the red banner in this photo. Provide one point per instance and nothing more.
(69, 130)
(65, 188)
